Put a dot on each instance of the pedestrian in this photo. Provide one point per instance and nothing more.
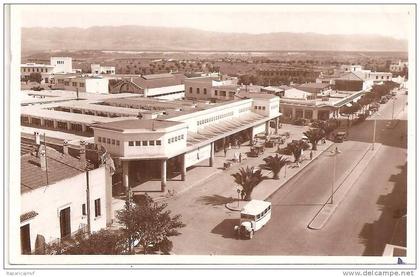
(336, 150)
(311, 155)
(240, 157)
(225, 151)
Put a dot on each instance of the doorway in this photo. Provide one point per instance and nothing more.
(25, 239)
(65, 228)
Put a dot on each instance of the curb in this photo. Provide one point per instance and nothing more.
(327, 210)
(235, 209)
(297, 172)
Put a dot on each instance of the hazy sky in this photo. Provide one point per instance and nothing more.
(391, 20)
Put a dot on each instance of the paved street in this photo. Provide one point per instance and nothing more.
(362, 224)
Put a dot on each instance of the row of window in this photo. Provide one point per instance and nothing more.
(259, 108)
(223, 93)
(60, 62)
(108, 141)
(74, 84)
(33, 69)
(144, 143)
(97, 208)
(174, 139)
(198, 90)
(213, 118)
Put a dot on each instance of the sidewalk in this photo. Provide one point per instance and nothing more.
(342, 187)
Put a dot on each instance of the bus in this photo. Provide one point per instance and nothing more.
(254, 216)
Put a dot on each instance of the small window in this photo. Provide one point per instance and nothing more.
(108, 140)
(118, 142)
(131, 143)
(113, 142)
(99, 139)
(144, 142)
(138, 143)
(205, 91)
(151, 142)
(97, 207)
(190, 89)
(169, 140)
(158, 142)
(83, 209)
(198, 90)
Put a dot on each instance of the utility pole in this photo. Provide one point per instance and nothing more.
(88, 201)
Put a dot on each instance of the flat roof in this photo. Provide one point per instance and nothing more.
(257, 95)
(137, 124)
(39, 112)
(255, 207)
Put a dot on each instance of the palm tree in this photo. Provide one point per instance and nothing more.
(296, 147)
(275, 164)
(314, 136)
(248, 178)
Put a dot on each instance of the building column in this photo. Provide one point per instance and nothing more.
(55, 123)
(42, 121)
(293, 112)
(315, 114)
(163, 175)
(211, 160)
(68, 126)
(267, 127)
(71, 110)
(83, 127)
(277, 125)
(82, 111)
(125, 165)
(183, 168)
(29, 119)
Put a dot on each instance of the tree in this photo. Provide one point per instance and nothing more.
(35, 77)
(149, 223)
(314, 136)
(103, 242)
(248, 178)
(296, 147)
(275, 164)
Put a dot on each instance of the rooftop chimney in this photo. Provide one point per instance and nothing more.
(37, 138)
(42, 158)
(65, 147)
(82, 153)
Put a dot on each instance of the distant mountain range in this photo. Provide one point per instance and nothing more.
(163, 38)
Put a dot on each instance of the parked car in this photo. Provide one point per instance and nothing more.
(340, 137)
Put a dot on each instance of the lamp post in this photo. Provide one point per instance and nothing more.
(238, 190)
(374, 132)
(335, 153)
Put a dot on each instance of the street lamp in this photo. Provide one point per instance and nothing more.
(374, 131)
(238, 190)
(335, 153)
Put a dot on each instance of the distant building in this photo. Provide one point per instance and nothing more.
(278, 76)
(81, 83)
(211, 88)
(162, 86)
(98, 69)
(351, 68)
(398, 67)
(62, 64)
(54, 197)
(45, 70)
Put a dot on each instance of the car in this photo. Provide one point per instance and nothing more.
(340, 137)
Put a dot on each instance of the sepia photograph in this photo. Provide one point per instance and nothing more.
(210, 135)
